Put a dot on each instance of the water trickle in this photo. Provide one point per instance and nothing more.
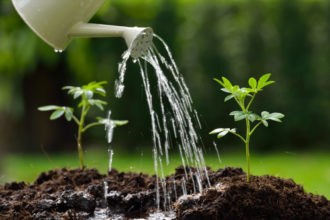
(110, 159)
(218, 154)
(184, 188)
(172, 116)
(109, 128)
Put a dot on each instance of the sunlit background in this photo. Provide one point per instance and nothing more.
(209, 38)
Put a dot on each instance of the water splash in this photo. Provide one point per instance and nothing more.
(122, 66)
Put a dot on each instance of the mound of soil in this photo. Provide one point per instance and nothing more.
(78, 194)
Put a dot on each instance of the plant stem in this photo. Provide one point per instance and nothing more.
(254, 95)
(247, 150)
(91, 125)
(75, 119)
(255, 127)
(80, 131)
(237, 135)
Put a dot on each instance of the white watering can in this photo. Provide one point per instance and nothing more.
(58, 21)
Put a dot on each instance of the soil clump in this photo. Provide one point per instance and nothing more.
(79, 194)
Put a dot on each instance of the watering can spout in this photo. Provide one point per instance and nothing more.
(58, 21)
(137, 39)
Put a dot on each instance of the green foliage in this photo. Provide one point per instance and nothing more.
(290, 37)
(240, 96)
(86, 94)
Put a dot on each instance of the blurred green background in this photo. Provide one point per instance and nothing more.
(209, 38)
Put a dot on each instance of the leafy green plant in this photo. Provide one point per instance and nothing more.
(244, 98)
(86, 94)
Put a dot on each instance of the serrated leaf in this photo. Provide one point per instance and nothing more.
(222, 131)
(227, 84)
(238, 115)
(264, 114)
(216, 131)
(225, 90)
(120, 123)
(235, 89)
(218, 81)
(100, 91)
(103, 120)
(236, 112)
(89, 94)
(56, 114)
(265, 123)
(68, 114)
(77, 94)
(99, 106)
(252, 117)
(49, 108)
(268, 83)
(276, 116)
(67, 87)
(222, 134)
(262, 81)
(229, 97)
(253, 83)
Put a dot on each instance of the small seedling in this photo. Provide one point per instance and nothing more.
(86, 94)
(240, 96)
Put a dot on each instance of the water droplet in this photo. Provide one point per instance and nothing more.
(58, 51)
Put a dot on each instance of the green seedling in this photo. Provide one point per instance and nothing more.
(86, 94)
(244, 98)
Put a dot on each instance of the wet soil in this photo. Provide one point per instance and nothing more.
(77, 194)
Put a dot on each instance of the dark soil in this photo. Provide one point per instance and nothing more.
(77, 194)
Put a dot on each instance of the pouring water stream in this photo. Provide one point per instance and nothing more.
(174, 123)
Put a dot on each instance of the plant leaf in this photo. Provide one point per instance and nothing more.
(229, 97)
(253, 83)
(222, 134)
(100, 91)
(216, 131)
(68, 114)
(67, 87)
(120, 123)
(89, 94)
(227, 84)
(238, 115)
(99, 106)
(49, 108)
(225, 90)
(222, 131)
(263, 81)
(252, 117)
(264, 114)
(56, 114)
(276, 116)
(219, 81)
(77, 94)
(265, 123)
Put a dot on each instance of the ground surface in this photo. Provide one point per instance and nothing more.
(78, 194)
(311, 169)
